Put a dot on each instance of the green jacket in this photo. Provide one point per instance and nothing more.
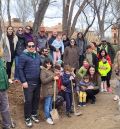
(3, 76)
(81, 72)
(103, 68)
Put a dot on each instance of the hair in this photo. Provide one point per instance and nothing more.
(91, 66)
(81, 34)
(29, 42)
(46, 61)
(57, 67)
(31, 30)
(67, 68)
(86, 60)
(42, 50)
(100, 56)
(88, 47)
(94, 44)
(86, 76)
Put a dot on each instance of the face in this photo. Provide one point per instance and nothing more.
(20, 30)
(86, 80)
(45, 52)
(49, 65)
(55, 33)
(59, 37)
(57, 72)
(89, 50)
(92, 46)
(92, 71)
(31, 47)
(80, 35)
(85, 63)
(103, 53)
(10, 30)
(72, 42)
(64, 37)
(27, 29)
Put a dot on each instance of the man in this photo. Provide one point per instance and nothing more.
(41, 39)
(29, 72)
(44, 54)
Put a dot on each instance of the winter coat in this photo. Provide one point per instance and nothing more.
(71, 57)
(29, 67)
(103, 68)
(82, 72)
(3, 76)
(6, 47)
(47, 82)
(66, 42)
(66, 82)
(50, 41)
(20, 46)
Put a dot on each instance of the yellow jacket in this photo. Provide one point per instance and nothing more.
(103, 68)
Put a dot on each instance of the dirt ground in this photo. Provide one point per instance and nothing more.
(102, 115)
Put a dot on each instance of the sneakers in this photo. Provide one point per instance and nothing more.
(116, 98)
(35, 118)
(109, 90)
(28, 122)
(80, 104)
(84, 104)
(10, 81)
(49, 121)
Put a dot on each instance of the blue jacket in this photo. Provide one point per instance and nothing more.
(66, 82)
(29, 67)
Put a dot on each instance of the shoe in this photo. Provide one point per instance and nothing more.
(71, 111)
(28, 122)
(109, 90)
(84, 104)
(49, 121)
(10, 81)
(35, 118)
(68, 114)
(13, 125)
(80, 104)
(102, 90)
(93, 102)
(116, 98)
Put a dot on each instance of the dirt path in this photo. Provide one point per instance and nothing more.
(103, 115)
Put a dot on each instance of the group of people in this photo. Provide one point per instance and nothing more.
(40, 61)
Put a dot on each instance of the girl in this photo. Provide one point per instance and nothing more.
(66, 81)
(58, 45)
(47, 81)
(83, 70)
(104, 54)
(9, 41)
(71, 55)
(117, 75)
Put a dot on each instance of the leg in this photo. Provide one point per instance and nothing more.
(108, 78)
(81, 97)
(84, 97)
(16, 75)
(35, 100)
(58, 55)
(90, 95)
(48, 106)
(67, 99)
(54, 57)
(105, 86)
(102, 86)
(4, 109)
(28, 94)
(8, 65)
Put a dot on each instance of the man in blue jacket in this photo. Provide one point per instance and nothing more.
(29, 72)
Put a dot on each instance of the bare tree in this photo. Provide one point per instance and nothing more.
(35, 4)
(8, 12)
(39, 16)
(101, 7)
(69, 22)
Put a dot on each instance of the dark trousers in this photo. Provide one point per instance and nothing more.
(108, 78)
(9, 68)
(68, 99)
(32, 98)
(81, 58)
(90, 94)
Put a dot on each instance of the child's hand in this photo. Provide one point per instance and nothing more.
(63, 88)
(71, 78)
(56, 77)
(90, 87)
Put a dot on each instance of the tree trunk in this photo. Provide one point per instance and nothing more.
(8, 12)
(40, 15)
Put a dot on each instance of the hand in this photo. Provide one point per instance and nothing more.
(56, 77)
(90, 87)
(25, 85)
(71, 78)
(63, 88)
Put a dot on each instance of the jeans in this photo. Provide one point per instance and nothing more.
(108, 78)
(9, 68)
(68, 99)
(16, 75)
(32, 98)
(48, 106)
(90, 94)
(4, 109)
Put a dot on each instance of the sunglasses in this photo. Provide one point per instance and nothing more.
(31, 46)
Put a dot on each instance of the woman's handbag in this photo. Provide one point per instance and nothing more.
(54, 112)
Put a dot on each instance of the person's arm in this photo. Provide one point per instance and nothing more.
(80, 72)
(62, 47)
(65, 55)
(50, 45)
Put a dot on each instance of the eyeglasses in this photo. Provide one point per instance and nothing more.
(20, 30)
(45, 51)
(72, 41)
(31, 46)
(28, 28)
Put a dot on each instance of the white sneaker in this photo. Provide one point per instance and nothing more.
(49, 121)
(102, 90)
(10, 81)
(116, 98)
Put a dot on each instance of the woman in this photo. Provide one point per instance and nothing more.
(82, 44)
(94, 78)
(8, 43)
(20, 47)
(47, 81)
(94, 47)
(71, 55)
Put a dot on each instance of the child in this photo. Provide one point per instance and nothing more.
(117, 74)
(4, 104)
(58, 44)
(103, 69)
(81, 88)
(66, 81)
(83, 70)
